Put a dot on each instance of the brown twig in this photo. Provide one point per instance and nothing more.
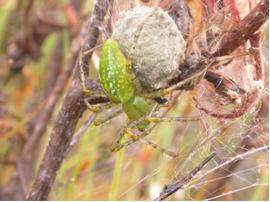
(255, 43)
(71, 111)
(44, 116)
(36, 127)
(170, 189)
(244, 29)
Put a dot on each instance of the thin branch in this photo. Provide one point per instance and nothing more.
(244, 29)
(109, 27)
(44, 116)
(170, 189)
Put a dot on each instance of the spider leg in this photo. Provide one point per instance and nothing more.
(171, 119)
(93, 108)
(127, 132)
(108, 113)
(85, 90)
(135, 137)
(105, 111)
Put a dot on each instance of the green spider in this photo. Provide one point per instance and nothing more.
(117, 81)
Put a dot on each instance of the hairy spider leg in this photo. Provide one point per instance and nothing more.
(128, 131)
(85, 90)
(135, 137)
(108, 113)
(93, 108)
(105, 111)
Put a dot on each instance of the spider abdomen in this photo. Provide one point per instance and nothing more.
(113, 72)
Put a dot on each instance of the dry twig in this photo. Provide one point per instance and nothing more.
(170, 189)
(244, 29)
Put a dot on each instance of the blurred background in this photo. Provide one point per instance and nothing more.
(39, 44)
